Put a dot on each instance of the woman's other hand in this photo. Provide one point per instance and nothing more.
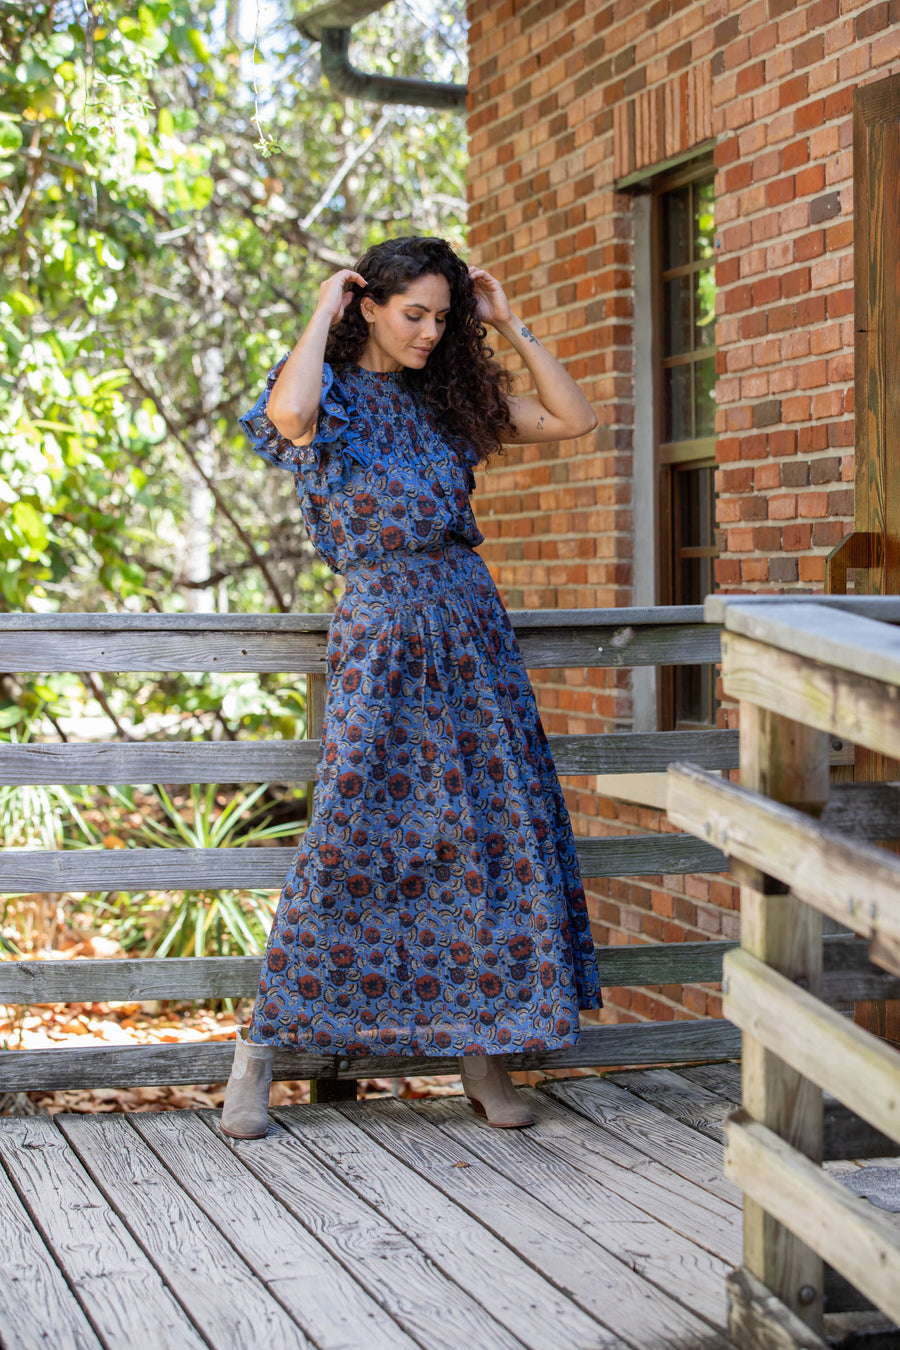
(493, 306)
(334, 297)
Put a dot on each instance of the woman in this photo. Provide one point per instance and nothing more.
(435, 905)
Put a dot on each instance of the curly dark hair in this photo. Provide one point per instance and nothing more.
(461, 383)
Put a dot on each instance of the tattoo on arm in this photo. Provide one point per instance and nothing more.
(540, 425)
(526, 333)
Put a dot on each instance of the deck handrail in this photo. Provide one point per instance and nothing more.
(297, 642)
(801, 678)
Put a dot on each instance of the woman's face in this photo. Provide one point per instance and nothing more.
(406, 328)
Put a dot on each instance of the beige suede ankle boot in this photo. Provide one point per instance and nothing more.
(245, 1113)
(487, 1085)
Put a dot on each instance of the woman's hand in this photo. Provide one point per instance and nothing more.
(333, 295)
(493, 306)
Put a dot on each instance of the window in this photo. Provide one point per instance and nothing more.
(684, 376)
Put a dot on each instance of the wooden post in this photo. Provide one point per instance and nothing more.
(322, 1089)
(787, 762)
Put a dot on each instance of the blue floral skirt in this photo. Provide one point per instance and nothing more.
(435, 905)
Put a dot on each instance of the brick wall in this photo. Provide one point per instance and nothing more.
(566, 98)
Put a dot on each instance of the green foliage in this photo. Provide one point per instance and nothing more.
(154, 261)
(193, 923)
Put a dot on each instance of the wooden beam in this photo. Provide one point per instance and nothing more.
(819, 866)
(286, 761)
(210, 869)
(786, 761)
(210, 1061)
(827, 1048)
(857, 645)
(883, 608)
(851, 706)
(848, 974)
(582, 643)
(757, 1320)
(853, 1236)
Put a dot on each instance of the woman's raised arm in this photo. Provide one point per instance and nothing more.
(294, 401)
(560, 411)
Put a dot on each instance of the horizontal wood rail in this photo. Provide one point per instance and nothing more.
(273, 761)
(801, 679)
(673, 635)
(849, 974)
(174, 869)
(210, 1061)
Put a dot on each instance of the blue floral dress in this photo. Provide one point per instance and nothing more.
(435, 905)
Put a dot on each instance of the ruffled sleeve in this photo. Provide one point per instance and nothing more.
(262, 433)
(336, 434)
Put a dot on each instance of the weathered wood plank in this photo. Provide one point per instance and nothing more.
(129, 980)
(723, 1079)
(430, 1308)
(758, 1320)
(591, 638)
(103, 621)
(853, 1236)
(641, 1127)
(37, 1307)
(322, 1297)
(864, 810)
(820, 866)
(652, 1184)
(273, 761)
(515, 1294)
(650, 1239)
(193, 1257)
(852, 707)
(786, 761)
(695, 1107)
(860, 1070)
(883, 608)
(846, 1135)
(855, 645)
(598, 1281)
(210, 1061)
(113, 1278)
(849, 974)
(162, 650)
(209, 869)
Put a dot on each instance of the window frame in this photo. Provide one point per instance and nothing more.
(671, 457)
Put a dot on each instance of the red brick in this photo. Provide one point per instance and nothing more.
(812, 504)
(783, 508)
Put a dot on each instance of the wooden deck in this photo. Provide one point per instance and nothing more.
(382, 1224)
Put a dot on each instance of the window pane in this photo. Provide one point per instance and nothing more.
(677, 334)
(690, 515)
(677, 398)
(694, 528)
(704, 391)
(677, 228)
(705, 308)
(704, 242)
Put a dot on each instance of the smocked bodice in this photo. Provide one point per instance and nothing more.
(379, 474)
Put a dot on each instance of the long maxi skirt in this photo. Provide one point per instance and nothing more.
(435, 905)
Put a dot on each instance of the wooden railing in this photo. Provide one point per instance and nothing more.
(803, 672)
(297, 643)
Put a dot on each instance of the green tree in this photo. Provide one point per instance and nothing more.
(171, 195)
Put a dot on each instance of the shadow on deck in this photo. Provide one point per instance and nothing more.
(380, 1223)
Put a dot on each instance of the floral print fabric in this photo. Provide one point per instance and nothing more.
(435, 905)
(378, 476)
